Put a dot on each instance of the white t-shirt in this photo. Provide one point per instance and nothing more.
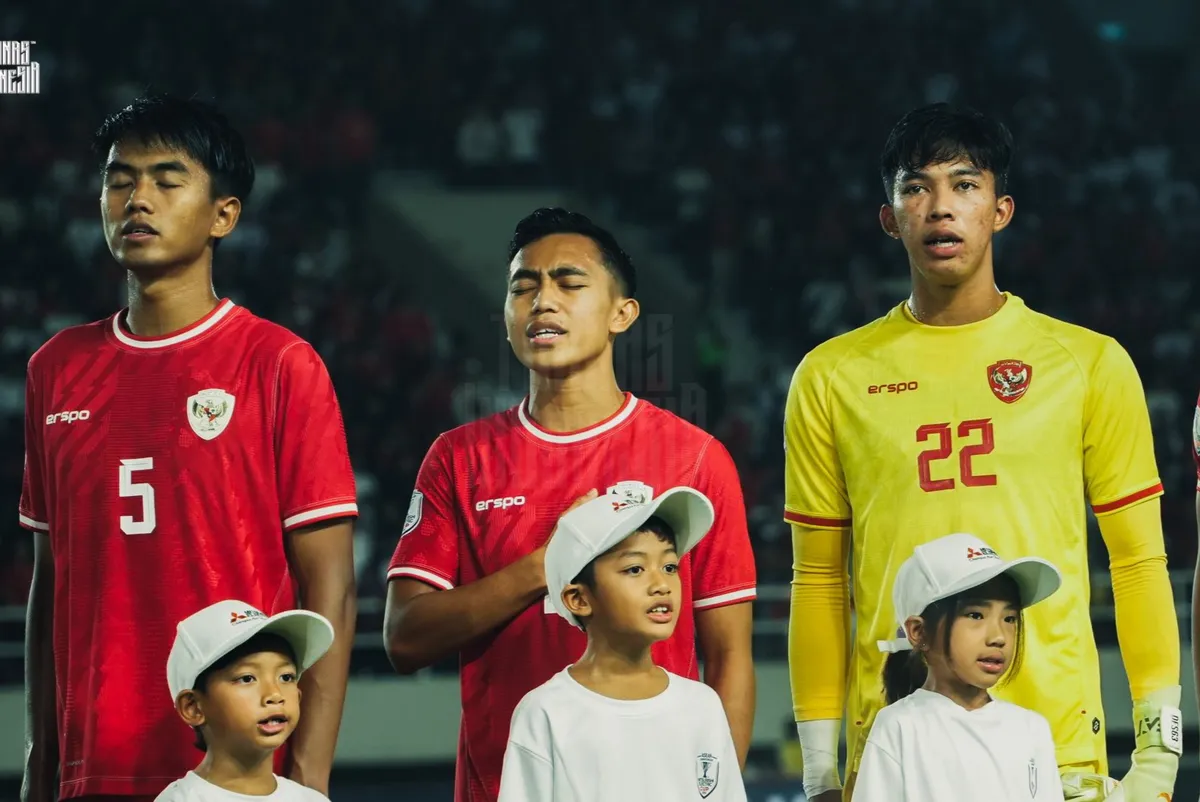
(570, 744)
(928, 748)
(194, 788)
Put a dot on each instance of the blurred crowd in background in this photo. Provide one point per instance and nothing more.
(746, 136)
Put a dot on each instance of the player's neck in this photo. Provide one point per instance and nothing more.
(253, 775)
(576, 401)
(974, 300)
(961, 693)
(619, 670)
(167, 302)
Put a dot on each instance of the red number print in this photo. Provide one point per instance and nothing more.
(942, 435)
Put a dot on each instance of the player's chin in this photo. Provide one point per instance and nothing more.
(551, 362)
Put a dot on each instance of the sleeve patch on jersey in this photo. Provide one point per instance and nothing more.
(1196, 431)
(414, 512)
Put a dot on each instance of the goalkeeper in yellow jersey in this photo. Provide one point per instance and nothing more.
(963, 409)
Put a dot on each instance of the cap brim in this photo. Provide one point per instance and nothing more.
(1036, 579)
(309, 635)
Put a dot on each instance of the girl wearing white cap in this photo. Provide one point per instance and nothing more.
(942, 736)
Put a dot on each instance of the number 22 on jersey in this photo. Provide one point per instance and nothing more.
(973, 438)
(143, 490)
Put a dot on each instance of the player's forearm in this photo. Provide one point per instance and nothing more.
(41, 719)
(324, 688)
(819, 624)
(731, 674)
(1147, 627)
(422, 629)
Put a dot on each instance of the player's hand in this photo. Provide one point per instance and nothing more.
(538, 556)
(1158, 744)
(1081, 787)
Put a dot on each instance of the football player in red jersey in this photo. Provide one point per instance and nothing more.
(180, 452)
(467, 576)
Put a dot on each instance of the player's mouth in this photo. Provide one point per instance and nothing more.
(992, 664)
(662, 612)
(943, 244)
(542, 333)
(273, 725)
(137, 231)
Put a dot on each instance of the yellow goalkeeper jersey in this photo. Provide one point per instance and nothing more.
(1004, 428)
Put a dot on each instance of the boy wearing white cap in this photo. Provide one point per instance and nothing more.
(233, 674)
(958, 606)
(613, 725)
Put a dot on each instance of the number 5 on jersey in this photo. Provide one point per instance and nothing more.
(981, 435)
(142, 490)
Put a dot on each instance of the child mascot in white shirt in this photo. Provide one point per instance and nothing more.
(233, 675)
(614, 727)
(942, 737)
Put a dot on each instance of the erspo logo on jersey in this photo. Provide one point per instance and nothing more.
(894, 387)
(499, 503)
(68, 417)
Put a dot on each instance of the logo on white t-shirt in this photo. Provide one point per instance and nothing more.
(1032, 778)
(708, 770)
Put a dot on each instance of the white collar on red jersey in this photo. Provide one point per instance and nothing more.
(600, 428)
(202, 325)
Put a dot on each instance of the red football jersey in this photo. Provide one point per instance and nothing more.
(166, 471)
(490, 492)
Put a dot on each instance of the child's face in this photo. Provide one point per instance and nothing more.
(636, 589)
(982, 637)
(253, 704)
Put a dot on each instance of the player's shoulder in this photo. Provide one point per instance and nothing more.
(189, 788)
(825, 358)
(694, 694)
(1021, 717)
(73, 342)
(1085, 344)
(665, 424)
(268, 336)
(480, 433)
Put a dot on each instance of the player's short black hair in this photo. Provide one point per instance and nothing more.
(189, 125)
(905, 672)
(265, 642)
(941, 133)
(546, 221)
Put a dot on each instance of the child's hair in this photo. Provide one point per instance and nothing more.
(905, 672)
(660, 528)
(266, 642)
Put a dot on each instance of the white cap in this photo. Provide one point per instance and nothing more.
(593, 528)
(205, 637)
(954, 563)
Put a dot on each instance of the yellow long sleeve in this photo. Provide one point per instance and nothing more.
(819, 627)
(1147, 627)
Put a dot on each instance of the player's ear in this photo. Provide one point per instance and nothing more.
(625, 314)
(190, 709)
(228, 211)
(887, 221)
(576, 600)
(1005, 206)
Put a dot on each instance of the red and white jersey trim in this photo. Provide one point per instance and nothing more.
(420, 573)
(32, 524)
(320, 514)
(733, 596)
(195, 330)
(619, 417)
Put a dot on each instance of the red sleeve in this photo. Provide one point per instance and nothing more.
(428, 547)
(722, 563)
(312, 463)
(32, 512)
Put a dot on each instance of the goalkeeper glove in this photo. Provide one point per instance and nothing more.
(1158, 743)
(1080, 787)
